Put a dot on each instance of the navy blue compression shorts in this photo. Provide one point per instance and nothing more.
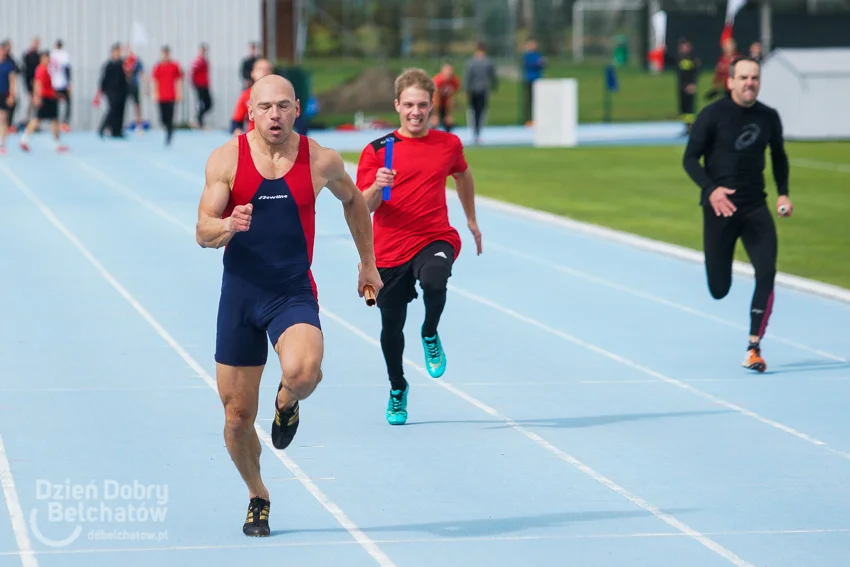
(250, 318)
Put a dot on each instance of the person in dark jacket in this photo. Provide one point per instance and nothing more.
(688, 68)
(248, 65)
(29, 62)
(479, 80)
(113, 84)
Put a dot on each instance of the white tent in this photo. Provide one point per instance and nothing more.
(809, 88)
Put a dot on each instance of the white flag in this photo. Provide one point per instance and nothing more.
(659, 28)
(138, 35)
(732, 8)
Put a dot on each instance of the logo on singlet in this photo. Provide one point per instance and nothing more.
(747, 137)
(273, 197)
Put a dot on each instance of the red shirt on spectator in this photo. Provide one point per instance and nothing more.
(42, 76)
(166, 74)
(201, 72)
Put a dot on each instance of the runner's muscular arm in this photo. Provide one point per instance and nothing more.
(331, 167)
(465, 189)
(373, 196)
(211, 230)
(369, 168)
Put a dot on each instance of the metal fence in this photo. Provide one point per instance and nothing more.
(411, 28)
(368, 30)
(436, 29)
(573, 29)
(89, 27)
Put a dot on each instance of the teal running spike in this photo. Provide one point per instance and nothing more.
(435, 358)
(397, 407)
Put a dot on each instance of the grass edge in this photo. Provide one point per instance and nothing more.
(787, 280)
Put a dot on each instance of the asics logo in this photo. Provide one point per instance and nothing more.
(273, 197)
(747, 137)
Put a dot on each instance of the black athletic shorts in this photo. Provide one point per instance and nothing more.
(400, 281)
(49, 109)
(3, 97)
(133, 94)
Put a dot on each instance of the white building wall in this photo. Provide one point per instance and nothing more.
(89, 27)
(809, 89)
(780, 89)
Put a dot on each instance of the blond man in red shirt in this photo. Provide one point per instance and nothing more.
(414, 240)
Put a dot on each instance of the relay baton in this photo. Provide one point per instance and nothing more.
(369, 292)
(388, 163)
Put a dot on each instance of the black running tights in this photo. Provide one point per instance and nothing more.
(433, 278)
(166, 115)
(757, 232)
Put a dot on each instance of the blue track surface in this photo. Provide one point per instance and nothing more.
(594, 411)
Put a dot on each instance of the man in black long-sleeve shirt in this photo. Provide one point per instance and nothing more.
(31, 60)
(733, 134)
(113, 83)
(688, 70)
(248, 65)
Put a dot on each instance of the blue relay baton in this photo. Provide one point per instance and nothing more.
(388, 163)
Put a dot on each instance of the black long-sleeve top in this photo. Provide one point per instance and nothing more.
(113, 80)
(733, 140)
(30, 61)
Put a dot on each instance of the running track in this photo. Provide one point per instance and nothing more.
(594, 411)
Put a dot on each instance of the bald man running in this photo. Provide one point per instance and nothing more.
(259, 202)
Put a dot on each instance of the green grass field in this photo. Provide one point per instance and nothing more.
(644, 190)
(642, 96)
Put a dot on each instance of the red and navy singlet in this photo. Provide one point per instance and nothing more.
(267, 284)
(279, 245)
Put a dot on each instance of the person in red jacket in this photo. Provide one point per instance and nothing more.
(167, 79)
(262, 67)
(447, 84)
(201, 81)
(46, 101)
(721, 70)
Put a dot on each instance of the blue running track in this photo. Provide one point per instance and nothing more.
(594, 411)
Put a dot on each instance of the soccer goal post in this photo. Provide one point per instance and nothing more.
(597, 22)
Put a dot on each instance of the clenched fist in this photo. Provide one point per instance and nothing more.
(385, 177)
(240, 219)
